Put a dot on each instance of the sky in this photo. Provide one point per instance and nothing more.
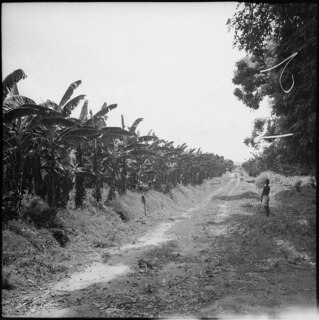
(169, 63)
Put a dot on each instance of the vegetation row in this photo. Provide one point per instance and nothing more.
(47, 153)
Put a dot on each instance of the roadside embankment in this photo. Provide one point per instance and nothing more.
(31, 255)
(291, 226)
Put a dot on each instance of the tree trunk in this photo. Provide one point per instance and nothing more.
(79, 180)
(111, 194)
(97, 191)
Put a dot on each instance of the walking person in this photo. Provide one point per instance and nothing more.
(265, 197)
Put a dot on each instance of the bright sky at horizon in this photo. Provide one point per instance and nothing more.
(169, 63)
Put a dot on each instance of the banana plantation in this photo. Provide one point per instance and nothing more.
(48, 153)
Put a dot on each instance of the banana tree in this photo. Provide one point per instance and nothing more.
(36, 136)
(125, 153)
(93, 149)
(16, 133)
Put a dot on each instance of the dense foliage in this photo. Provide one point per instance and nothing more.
(270, 33)
(47, 153)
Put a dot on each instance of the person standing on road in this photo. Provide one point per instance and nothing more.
(265, 197)
(143, 202)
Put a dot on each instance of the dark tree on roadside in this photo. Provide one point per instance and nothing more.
(269, 33)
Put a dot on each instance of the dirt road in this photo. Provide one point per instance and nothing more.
(191, 266)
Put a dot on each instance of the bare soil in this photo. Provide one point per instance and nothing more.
(220, 259)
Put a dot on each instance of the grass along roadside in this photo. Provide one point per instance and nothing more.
(288, 236)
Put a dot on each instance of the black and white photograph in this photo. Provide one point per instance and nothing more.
(159, 160)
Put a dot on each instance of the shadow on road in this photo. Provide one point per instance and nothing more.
(245, 195)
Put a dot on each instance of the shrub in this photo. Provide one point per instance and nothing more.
(40, 213)
(121, 209)
(5, 280)
(261, 178)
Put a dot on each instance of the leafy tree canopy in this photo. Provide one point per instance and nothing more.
(270, 33)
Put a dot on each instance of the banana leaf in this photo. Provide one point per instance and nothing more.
(135, 124)
(141, 152)
(183, 146)
(45, 112)
(59, 121)
(94, 136)
(51, 105)
(147, 138)
(169, 143)
(157, 142)
(122, 120)
(72, 104)
(69, 92)
(16, 101)
(135, 145)
(84, 111)
(116, 130)
(160, 149)
(171, 153)
(10, 80)
(105, 109)
(101, 122)
(174, 151)
(108, 137)
(18, 113)
(132, 139)
(82, 132)
(78, 121)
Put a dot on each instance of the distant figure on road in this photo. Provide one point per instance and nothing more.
(265, 197)
(144, 202)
